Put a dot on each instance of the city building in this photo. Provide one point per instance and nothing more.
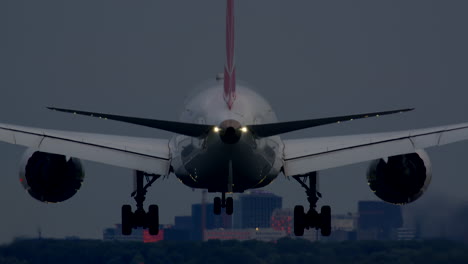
(377, 220)
(255, 210)
(137, 235)
(344, 222)
(262, 234)
(403, 233)
(212, 221)
(343, 228)
(283, 220)
(183, 222)
(259, 216)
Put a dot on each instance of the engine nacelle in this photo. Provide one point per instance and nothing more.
(400, 179)
(50, 178)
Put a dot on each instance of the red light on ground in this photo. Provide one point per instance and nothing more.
(147, 238)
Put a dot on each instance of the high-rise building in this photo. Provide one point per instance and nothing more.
(256, 209)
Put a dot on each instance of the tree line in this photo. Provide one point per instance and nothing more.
(238, 252)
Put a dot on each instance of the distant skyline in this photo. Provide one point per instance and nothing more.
(307, 58)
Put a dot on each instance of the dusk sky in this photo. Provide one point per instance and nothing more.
(309, 59)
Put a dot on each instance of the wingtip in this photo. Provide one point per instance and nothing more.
(406, 110)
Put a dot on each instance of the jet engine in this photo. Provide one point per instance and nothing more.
(400, 179)
(50, 178)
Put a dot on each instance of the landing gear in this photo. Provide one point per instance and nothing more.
(140, 218)
(229, 206)
(127, 219)
(325, 220)
(311, 219)
(223, 202)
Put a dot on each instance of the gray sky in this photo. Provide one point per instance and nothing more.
(308, 58)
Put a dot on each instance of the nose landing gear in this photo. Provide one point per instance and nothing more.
(311, 219)
(141, 218)
(223, 202)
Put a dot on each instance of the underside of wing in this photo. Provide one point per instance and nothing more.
(302, 156)
(145, 154)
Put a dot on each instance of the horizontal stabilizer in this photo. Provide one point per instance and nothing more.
(273, 129)
(199, 130)
(188, 129)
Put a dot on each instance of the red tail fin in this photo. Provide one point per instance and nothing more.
(230, 67)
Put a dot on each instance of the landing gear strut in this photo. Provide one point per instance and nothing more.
(223, 202)
(140, 218)
(311, 219)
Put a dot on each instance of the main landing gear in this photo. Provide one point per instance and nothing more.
(311, 219)
(223, 202)
(140, 218)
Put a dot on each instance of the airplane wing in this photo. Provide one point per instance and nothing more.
(302, 156)
(145, 154)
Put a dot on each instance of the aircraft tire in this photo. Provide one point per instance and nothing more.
(153, 219)
(299, 219)
(229, 206)
(127, 216)
(325, 220)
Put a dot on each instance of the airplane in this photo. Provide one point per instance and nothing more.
(228, 141)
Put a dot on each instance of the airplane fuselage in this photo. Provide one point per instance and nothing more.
(214, 163)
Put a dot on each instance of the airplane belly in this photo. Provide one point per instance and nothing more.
(221, 167)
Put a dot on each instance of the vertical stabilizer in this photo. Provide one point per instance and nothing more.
(230, 67)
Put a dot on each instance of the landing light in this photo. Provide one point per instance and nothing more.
(216, 129)
(244, 129)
